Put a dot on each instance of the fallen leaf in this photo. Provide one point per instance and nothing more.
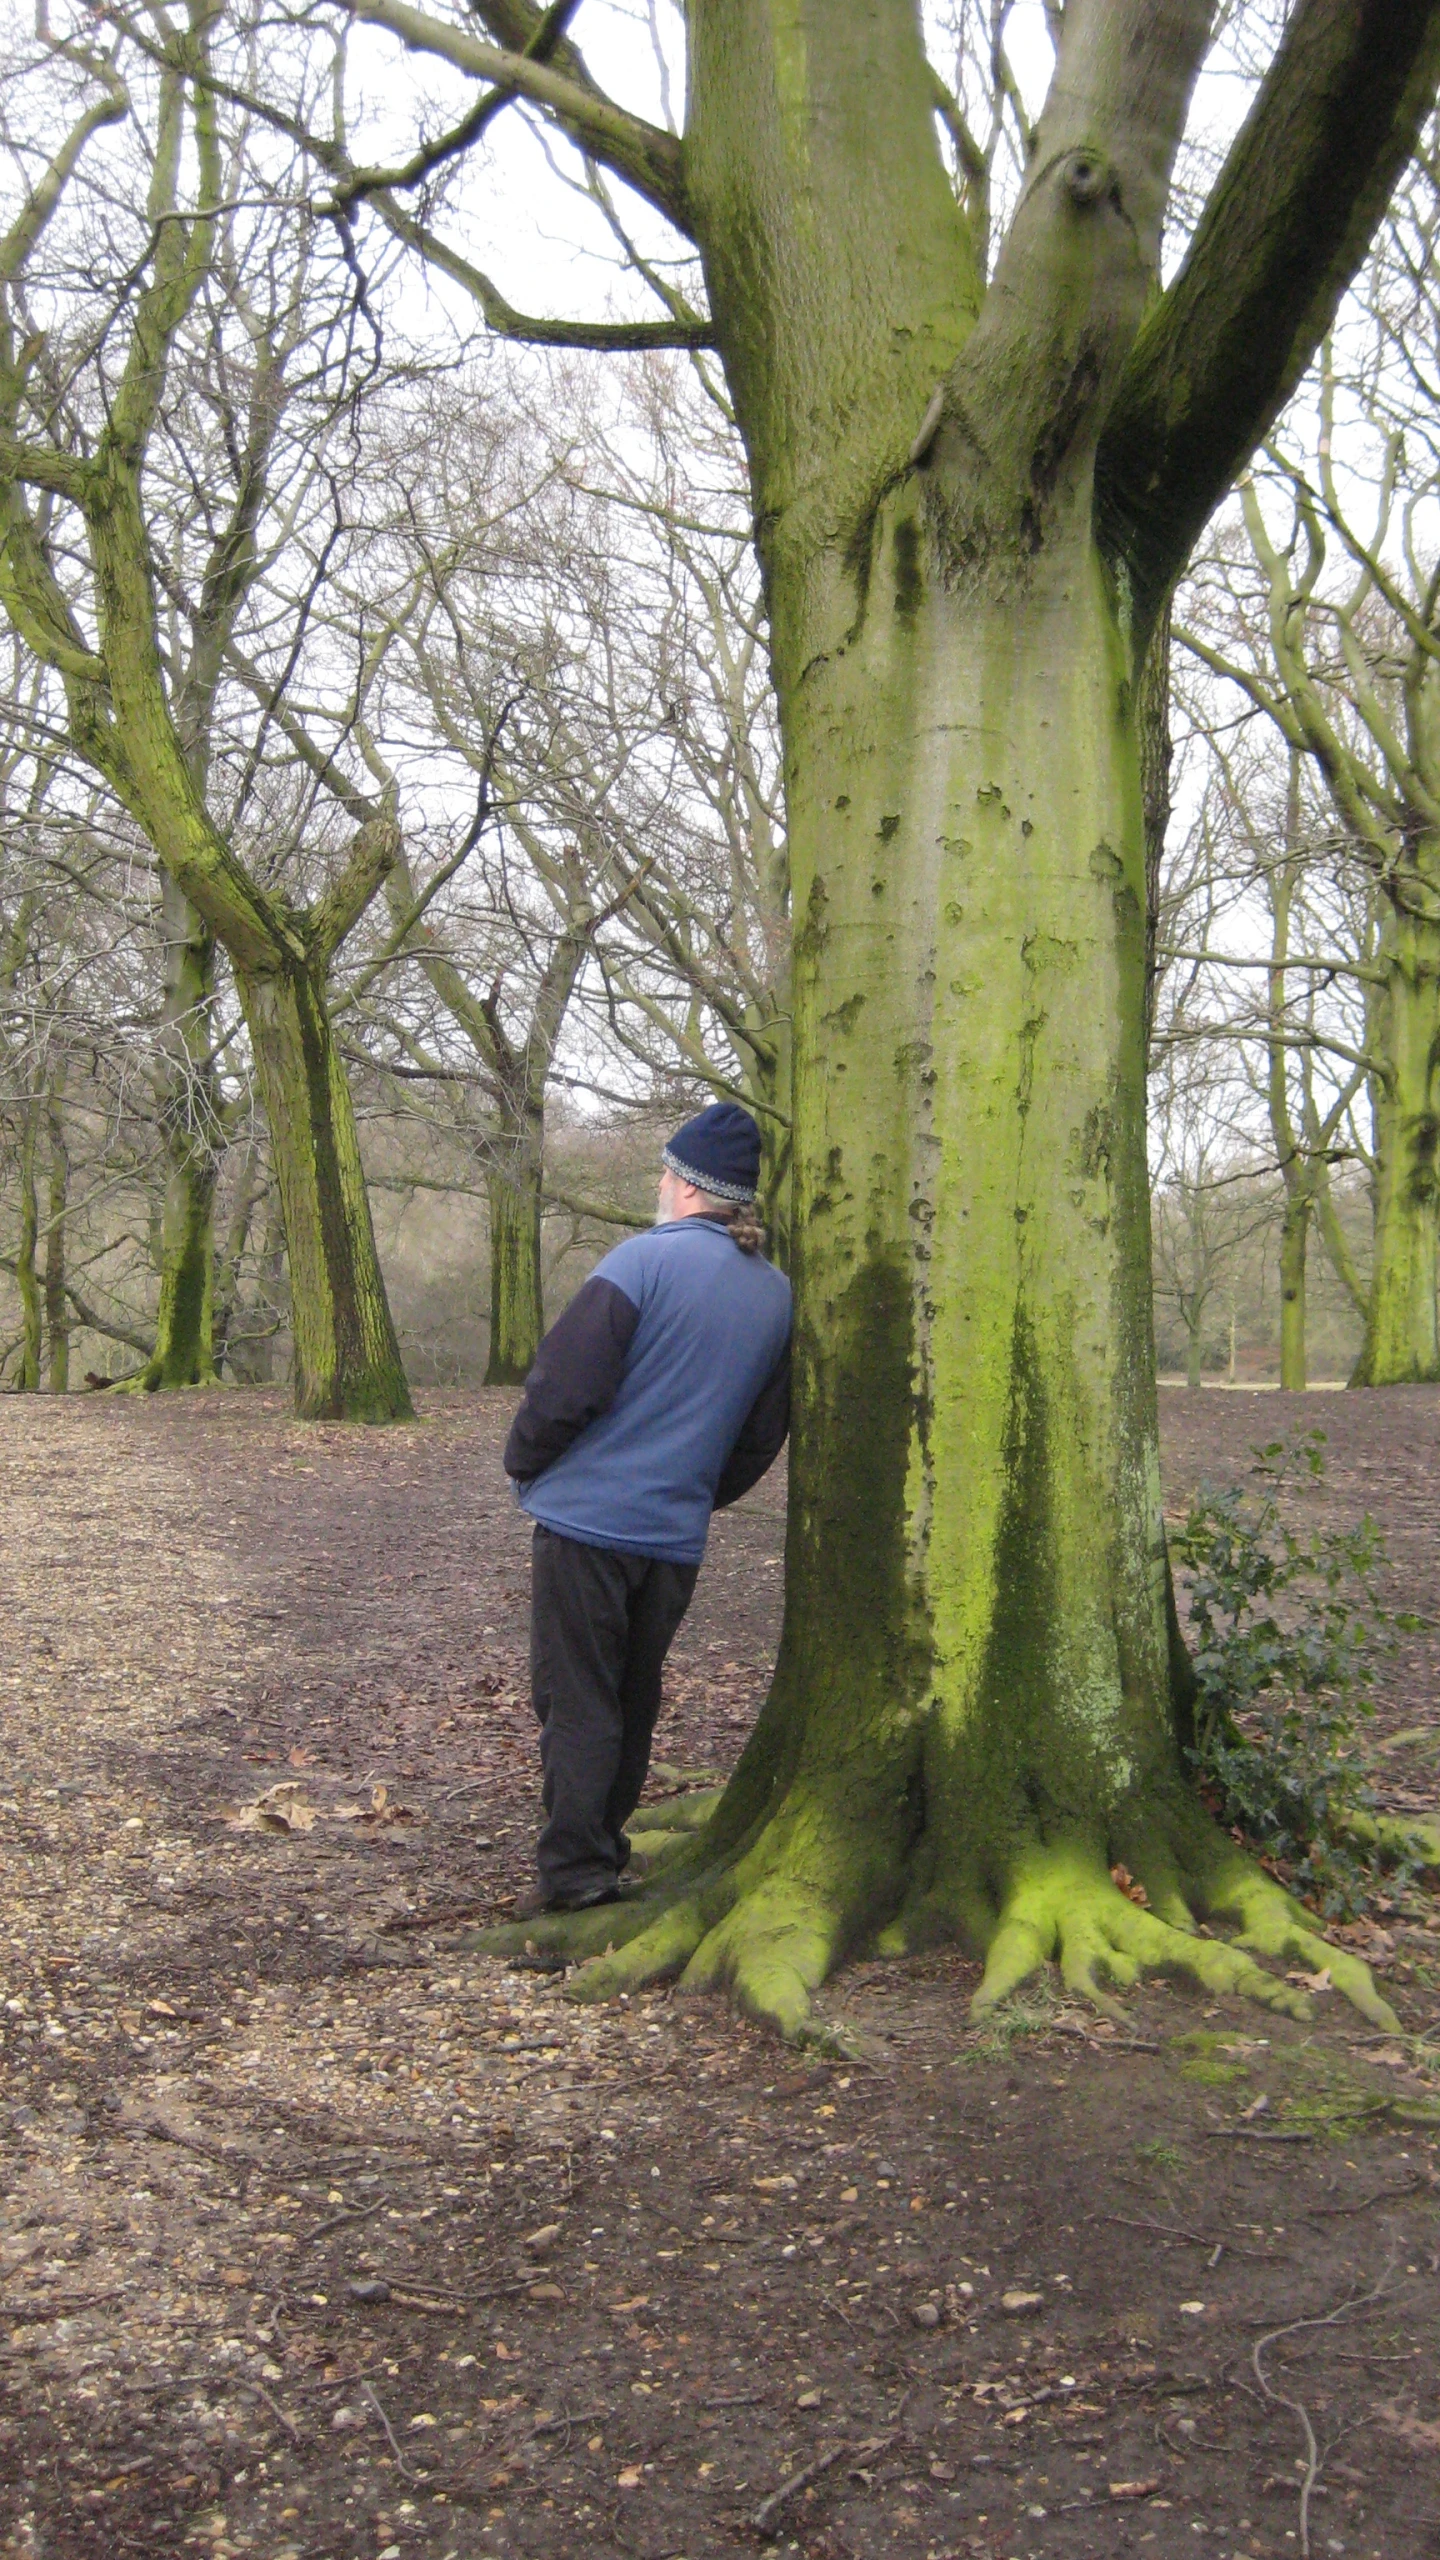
(541, 2242)
(281, 1808)
(1016, 2301)
(774, 2186)
(379, 1810)
(636, 2303)
(627, 2480)
(1422, 2433)
(1125, 1883)
(1133, 2488)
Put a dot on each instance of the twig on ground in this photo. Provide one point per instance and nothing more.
(1382, 2195)
(769, 2508)
(1251, 2133)
(561, 2426)
(1105, 2044)
(29, 2313)
(1199, 2239)
(1314, 2457)
(401, 2465)
(272, 2404)
(352, 2213)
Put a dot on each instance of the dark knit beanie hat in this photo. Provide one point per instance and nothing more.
(719, 1151)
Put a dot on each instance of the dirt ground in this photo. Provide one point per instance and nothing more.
(321, 2236)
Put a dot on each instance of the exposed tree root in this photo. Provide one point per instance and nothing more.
(772, 1919)
(678, 1813)
(1398, 1839)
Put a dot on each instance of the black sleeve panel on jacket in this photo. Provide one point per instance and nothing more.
(762, 1435)
(575, 1379)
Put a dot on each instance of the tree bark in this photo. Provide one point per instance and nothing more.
(347, 1360)
(1401, 1345)
(248, 1192)
(184, 1354)
(27, 1281)
(57, 1303)
(1294, 1247)
(514, 1183)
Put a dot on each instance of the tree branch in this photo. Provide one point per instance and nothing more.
(644, 155)
(1286, 224)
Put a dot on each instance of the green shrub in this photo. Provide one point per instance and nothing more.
(1286, 1632)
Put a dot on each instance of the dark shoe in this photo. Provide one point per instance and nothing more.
(540, 1905)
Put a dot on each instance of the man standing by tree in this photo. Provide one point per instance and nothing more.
(662, 1392)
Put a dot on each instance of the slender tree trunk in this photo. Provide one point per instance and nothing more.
(1294, 1246)
(1193, 1348)
(1401, 1343)
(771, 1085)
(248, 1193)
(514, 1180)
(183, 1355)
(27, 1376)
(347, 1360)
(57, 1304)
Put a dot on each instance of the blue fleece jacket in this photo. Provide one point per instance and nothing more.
(662, 1390)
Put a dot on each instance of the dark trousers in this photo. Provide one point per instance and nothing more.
(601, 1625)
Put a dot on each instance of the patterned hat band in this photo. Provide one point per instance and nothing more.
(709, 1183)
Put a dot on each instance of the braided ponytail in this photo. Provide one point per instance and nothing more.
(741, 1220)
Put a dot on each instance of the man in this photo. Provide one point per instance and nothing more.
(662, 1392)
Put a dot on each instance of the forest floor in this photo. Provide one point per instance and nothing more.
(321, 2237)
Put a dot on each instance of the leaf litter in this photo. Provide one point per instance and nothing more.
(316, 2228)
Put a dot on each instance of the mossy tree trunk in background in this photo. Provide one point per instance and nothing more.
(27, 1278)
(249, 1190)
(514, 1184)
(57, 1303)
(1294, 1249)
(1365, 714)
(151, 745)
(517, 1065)
(184, 1352)
(1402, 1344)
(975, 1711)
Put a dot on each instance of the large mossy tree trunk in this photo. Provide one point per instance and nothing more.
(980, 1704)
(1402, 1344)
